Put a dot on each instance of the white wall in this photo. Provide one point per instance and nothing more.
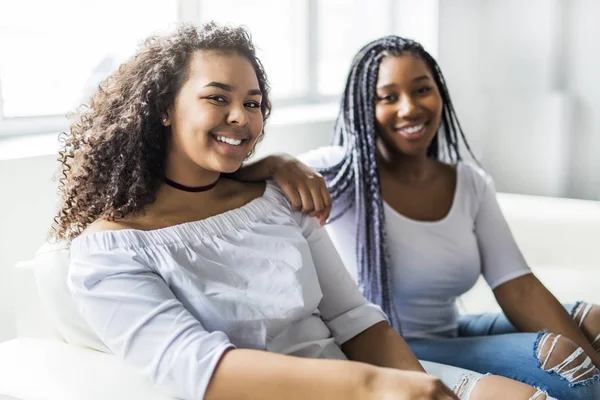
(523, 75)
(582, 75)
(27, 206)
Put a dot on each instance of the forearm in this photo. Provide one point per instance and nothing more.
(381, 345)
(252, 374)
(531, 308)
(258, 170)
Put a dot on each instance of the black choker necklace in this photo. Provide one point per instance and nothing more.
(193, 189)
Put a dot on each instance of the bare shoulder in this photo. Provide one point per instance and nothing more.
(103, 225)
(243, 191)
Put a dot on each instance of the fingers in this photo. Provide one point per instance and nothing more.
(308, 193)
(321, 200)
(308, 206)
(439, 391)
(448, 394)
(293, 196)
(318, 202)
(327, 203)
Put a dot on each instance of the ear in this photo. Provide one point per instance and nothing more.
(165, 118)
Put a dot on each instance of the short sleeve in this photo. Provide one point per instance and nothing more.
(343, 308)
(133, 311)
(501, 258)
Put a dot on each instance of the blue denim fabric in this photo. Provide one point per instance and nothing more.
(489, 343)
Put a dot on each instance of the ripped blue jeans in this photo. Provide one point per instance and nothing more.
(489, 343)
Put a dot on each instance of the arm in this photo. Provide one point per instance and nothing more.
(358, 326)
(305, 189)
(531, 307)
(522, 297)
(381, 345)
(137, 316)
(275, 377)
(253, 374)
(260, 170)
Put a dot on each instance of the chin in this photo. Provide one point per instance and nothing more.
(228, 167)
(411, 150)
(230, 170)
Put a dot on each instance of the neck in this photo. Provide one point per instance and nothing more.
(402, 166)
(191, 189)
(189, 176)
(182, 170)
(192, 184)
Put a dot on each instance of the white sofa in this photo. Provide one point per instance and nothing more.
(558, 237)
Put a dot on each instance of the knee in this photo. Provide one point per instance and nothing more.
(587, 316)
(561, 355)
(492, 387)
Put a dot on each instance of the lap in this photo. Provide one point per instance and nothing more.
(511, 355)
(488, 324)
(497, 354)
(450, 375)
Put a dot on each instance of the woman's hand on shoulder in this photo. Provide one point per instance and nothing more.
(305, 188)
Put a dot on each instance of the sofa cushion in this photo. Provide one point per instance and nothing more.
(37, 369)
(57, 308)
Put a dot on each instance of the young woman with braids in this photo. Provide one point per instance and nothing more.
(417, 226)
(215, 288)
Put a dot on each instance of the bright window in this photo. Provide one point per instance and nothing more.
(344, 26)
(278, 29)
(53, 53)
(51, 65)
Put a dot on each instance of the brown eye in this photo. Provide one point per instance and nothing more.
(390, 98)
(252, 104)
(218, 99)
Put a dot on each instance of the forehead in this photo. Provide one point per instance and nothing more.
(401, 70)
(225, 67)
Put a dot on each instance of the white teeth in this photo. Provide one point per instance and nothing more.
(412, 129)
(233, 142)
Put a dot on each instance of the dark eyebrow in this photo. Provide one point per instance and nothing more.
(417, 79)
(224, 86)
(421, 78)
(229, 88)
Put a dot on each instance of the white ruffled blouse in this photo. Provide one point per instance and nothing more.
(171, 301)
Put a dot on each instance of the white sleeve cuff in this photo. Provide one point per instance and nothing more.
(509, 277)
(355, 321)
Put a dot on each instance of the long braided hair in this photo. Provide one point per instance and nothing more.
(354, 181)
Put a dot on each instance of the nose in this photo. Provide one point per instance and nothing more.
(407, 106)
(237, 115)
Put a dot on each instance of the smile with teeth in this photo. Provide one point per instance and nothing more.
(412, 131)
(233, 142)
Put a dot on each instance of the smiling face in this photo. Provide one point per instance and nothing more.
(216, 118)
(408, 106)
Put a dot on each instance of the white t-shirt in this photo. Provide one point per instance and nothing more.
(433, 263)
(170, 301)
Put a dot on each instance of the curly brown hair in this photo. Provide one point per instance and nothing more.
(112, 158)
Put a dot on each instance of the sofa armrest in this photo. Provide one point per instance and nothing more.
(38, 369)
(554, 233)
